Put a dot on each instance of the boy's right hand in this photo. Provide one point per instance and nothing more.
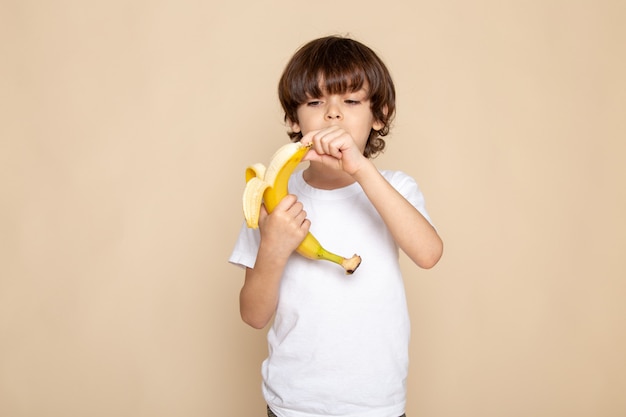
(285, 227)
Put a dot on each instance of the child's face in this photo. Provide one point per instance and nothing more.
(351, 111)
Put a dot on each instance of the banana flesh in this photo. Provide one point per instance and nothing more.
(268, 185)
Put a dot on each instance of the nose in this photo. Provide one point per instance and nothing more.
(333, 112)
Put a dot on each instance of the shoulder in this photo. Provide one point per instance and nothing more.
(408, 187)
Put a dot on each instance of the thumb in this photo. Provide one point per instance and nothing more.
(308, 155)
(311, 155)
(263, 213)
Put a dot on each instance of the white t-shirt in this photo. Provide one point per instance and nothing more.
(339, 343)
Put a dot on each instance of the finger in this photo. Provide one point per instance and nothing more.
(333, 141)
(286, 203)
(318, 146)
(306, 225)
(308, 138)
(336, 147)
(323, 137)
(262, 216)
(263, 213)
(299, 213)
(310, 155)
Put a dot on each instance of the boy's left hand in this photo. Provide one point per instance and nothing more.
(335, 148)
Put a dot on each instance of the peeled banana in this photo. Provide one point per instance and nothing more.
(268, 185)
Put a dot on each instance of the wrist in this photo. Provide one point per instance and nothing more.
(276, 255)
(366, 169)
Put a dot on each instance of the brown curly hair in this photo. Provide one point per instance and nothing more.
(344, 65)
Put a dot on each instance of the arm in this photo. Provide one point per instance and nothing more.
(336, 149)
(411, 231)
(281, 233)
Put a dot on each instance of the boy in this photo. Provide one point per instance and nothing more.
(338, 345)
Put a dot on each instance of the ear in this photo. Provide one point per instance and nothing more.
(295, 127)
(377, 125)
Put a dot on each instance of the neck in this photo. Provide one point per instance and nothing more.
(324, 178)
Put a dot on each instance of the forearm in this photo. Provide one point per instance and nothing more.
(281, 233)
(409, 228)
(259, 295)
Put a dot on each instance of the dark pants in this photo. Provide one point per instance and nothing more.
(270, 413)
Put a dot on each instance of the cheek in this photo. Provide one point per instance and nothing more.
(308, 121)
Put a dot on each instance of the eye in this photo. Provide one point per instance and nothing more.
(352, 102)
(313, 103)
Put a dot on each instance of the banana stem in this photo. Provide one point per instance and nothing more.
(348, 264)
(351, 264)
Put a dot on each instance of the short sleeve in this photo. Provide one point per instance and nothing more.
(246, 247)
(408, 187)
